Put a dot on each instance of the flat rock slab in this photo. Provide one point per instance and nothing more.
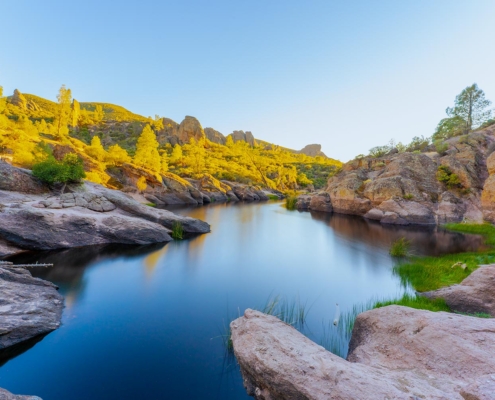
(452, 360)
(475, 294)
(28, 306)
(6, 395)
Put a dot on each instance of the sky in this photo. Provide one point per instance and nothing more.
(349, 75)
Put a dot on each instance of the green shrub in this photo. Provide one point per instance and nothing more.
(400, 248)
(445, 175)
(177, 230)
(51, 171)
(440, 146)
(408, 196)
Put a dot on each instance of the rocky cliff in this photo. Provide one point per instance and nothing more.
(450, 185)
(312, 150)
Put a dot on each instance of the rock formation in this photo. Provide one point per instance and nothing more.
(315, 202)
(241, 136)
(396, 353)
(190, 128)
(475, 294)
(312, 150)
(214, 136)
(404, 188)
(89, 214)
(29, 306)
(18, 100)
(169, 133)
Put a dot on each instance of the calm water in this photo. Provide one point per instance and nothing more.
(145, 322)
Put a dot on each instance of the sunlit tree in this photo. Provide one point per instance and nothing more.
(64, 98)
(96, 149)
(117, 155)
(147, 155)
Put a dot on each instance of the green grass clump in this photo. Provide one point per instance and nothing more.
(150, 204)
(290, 202)
(177, 231)
(400, 248)
(273, 197)
(418, 302)
(291, 312)
(486, 229)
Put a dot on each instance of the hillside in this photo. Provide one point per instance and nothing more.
(105, 137)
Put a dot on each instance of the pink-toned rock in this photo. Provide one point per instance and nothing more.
(475, 294)
(396, 353)
(321, 202)
(6, 395)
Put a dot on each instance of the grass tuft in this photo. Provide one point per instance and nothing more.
(290, 202)
(273, 197)
(150, 204)
(400, 248)
(177, 230)
(418, 302)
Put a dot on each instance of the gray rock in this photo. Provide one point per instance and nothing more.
(28, 306)
(475, 294)
(6, 395)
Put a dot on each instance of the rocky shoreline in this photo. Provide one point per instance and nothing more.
(424, 188)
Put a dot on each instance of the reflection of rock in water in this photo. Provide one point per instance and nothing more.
(425, 240)
(69, 265)
(13, 351)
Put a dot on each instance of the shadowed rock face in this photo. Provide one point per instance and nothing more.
(214, 136)
(396, 353)
(475, 294)
(241, 136)
(19, 180)
(28, 306)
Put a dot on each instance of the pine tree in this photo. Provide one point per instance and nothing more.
(147, 155)
(64, 110)
(75, 113)
(96, 149)
(176, 154)
(164, 162)
(117, 155)
(99, 114)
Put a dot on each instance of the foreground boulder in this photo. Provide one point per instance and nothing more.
(396, 353)
(475, 294)
(315, 202)
(29, 306)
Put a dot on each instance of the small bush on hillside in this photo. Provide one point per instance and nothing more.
(441, 147)
(51, 171)
(445, 175)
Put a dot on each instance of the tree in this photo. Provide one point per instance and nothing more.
(64, 110)
(176, 154)
(157, 123)
(96, 149)
(75, 113)
(117, 155)
(164, 162)
(147, 155)
(99, 113)
(141, 184)
(449, 127)
(195, 155)
(470, 105)
(2, 100)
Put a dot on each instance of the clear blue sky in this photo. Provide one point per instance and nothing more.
(347, 74)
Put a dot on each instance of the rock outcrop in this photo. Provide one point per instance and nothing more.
(396, 353)
(214, 136)
(475, 294)
(315, 202)
(190, 128)
(29, 306)
(241, 136)
(19, 180)
(404, 188)
(312, 150)
(89, 214)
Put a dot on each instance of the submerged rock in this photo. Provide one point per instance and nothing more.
(475, 294)
(396, 353)
(29, 306)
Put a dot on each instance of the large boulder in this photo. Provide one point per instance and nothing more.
(312, 150)
(29, 306)
(396, 353)
(169, 133)
(315, 202)
(475, 294)
(454, 351)
(488, 194)
(19, 180)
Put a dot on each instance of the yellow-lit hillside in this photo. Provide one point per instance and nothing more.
(106, 136)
